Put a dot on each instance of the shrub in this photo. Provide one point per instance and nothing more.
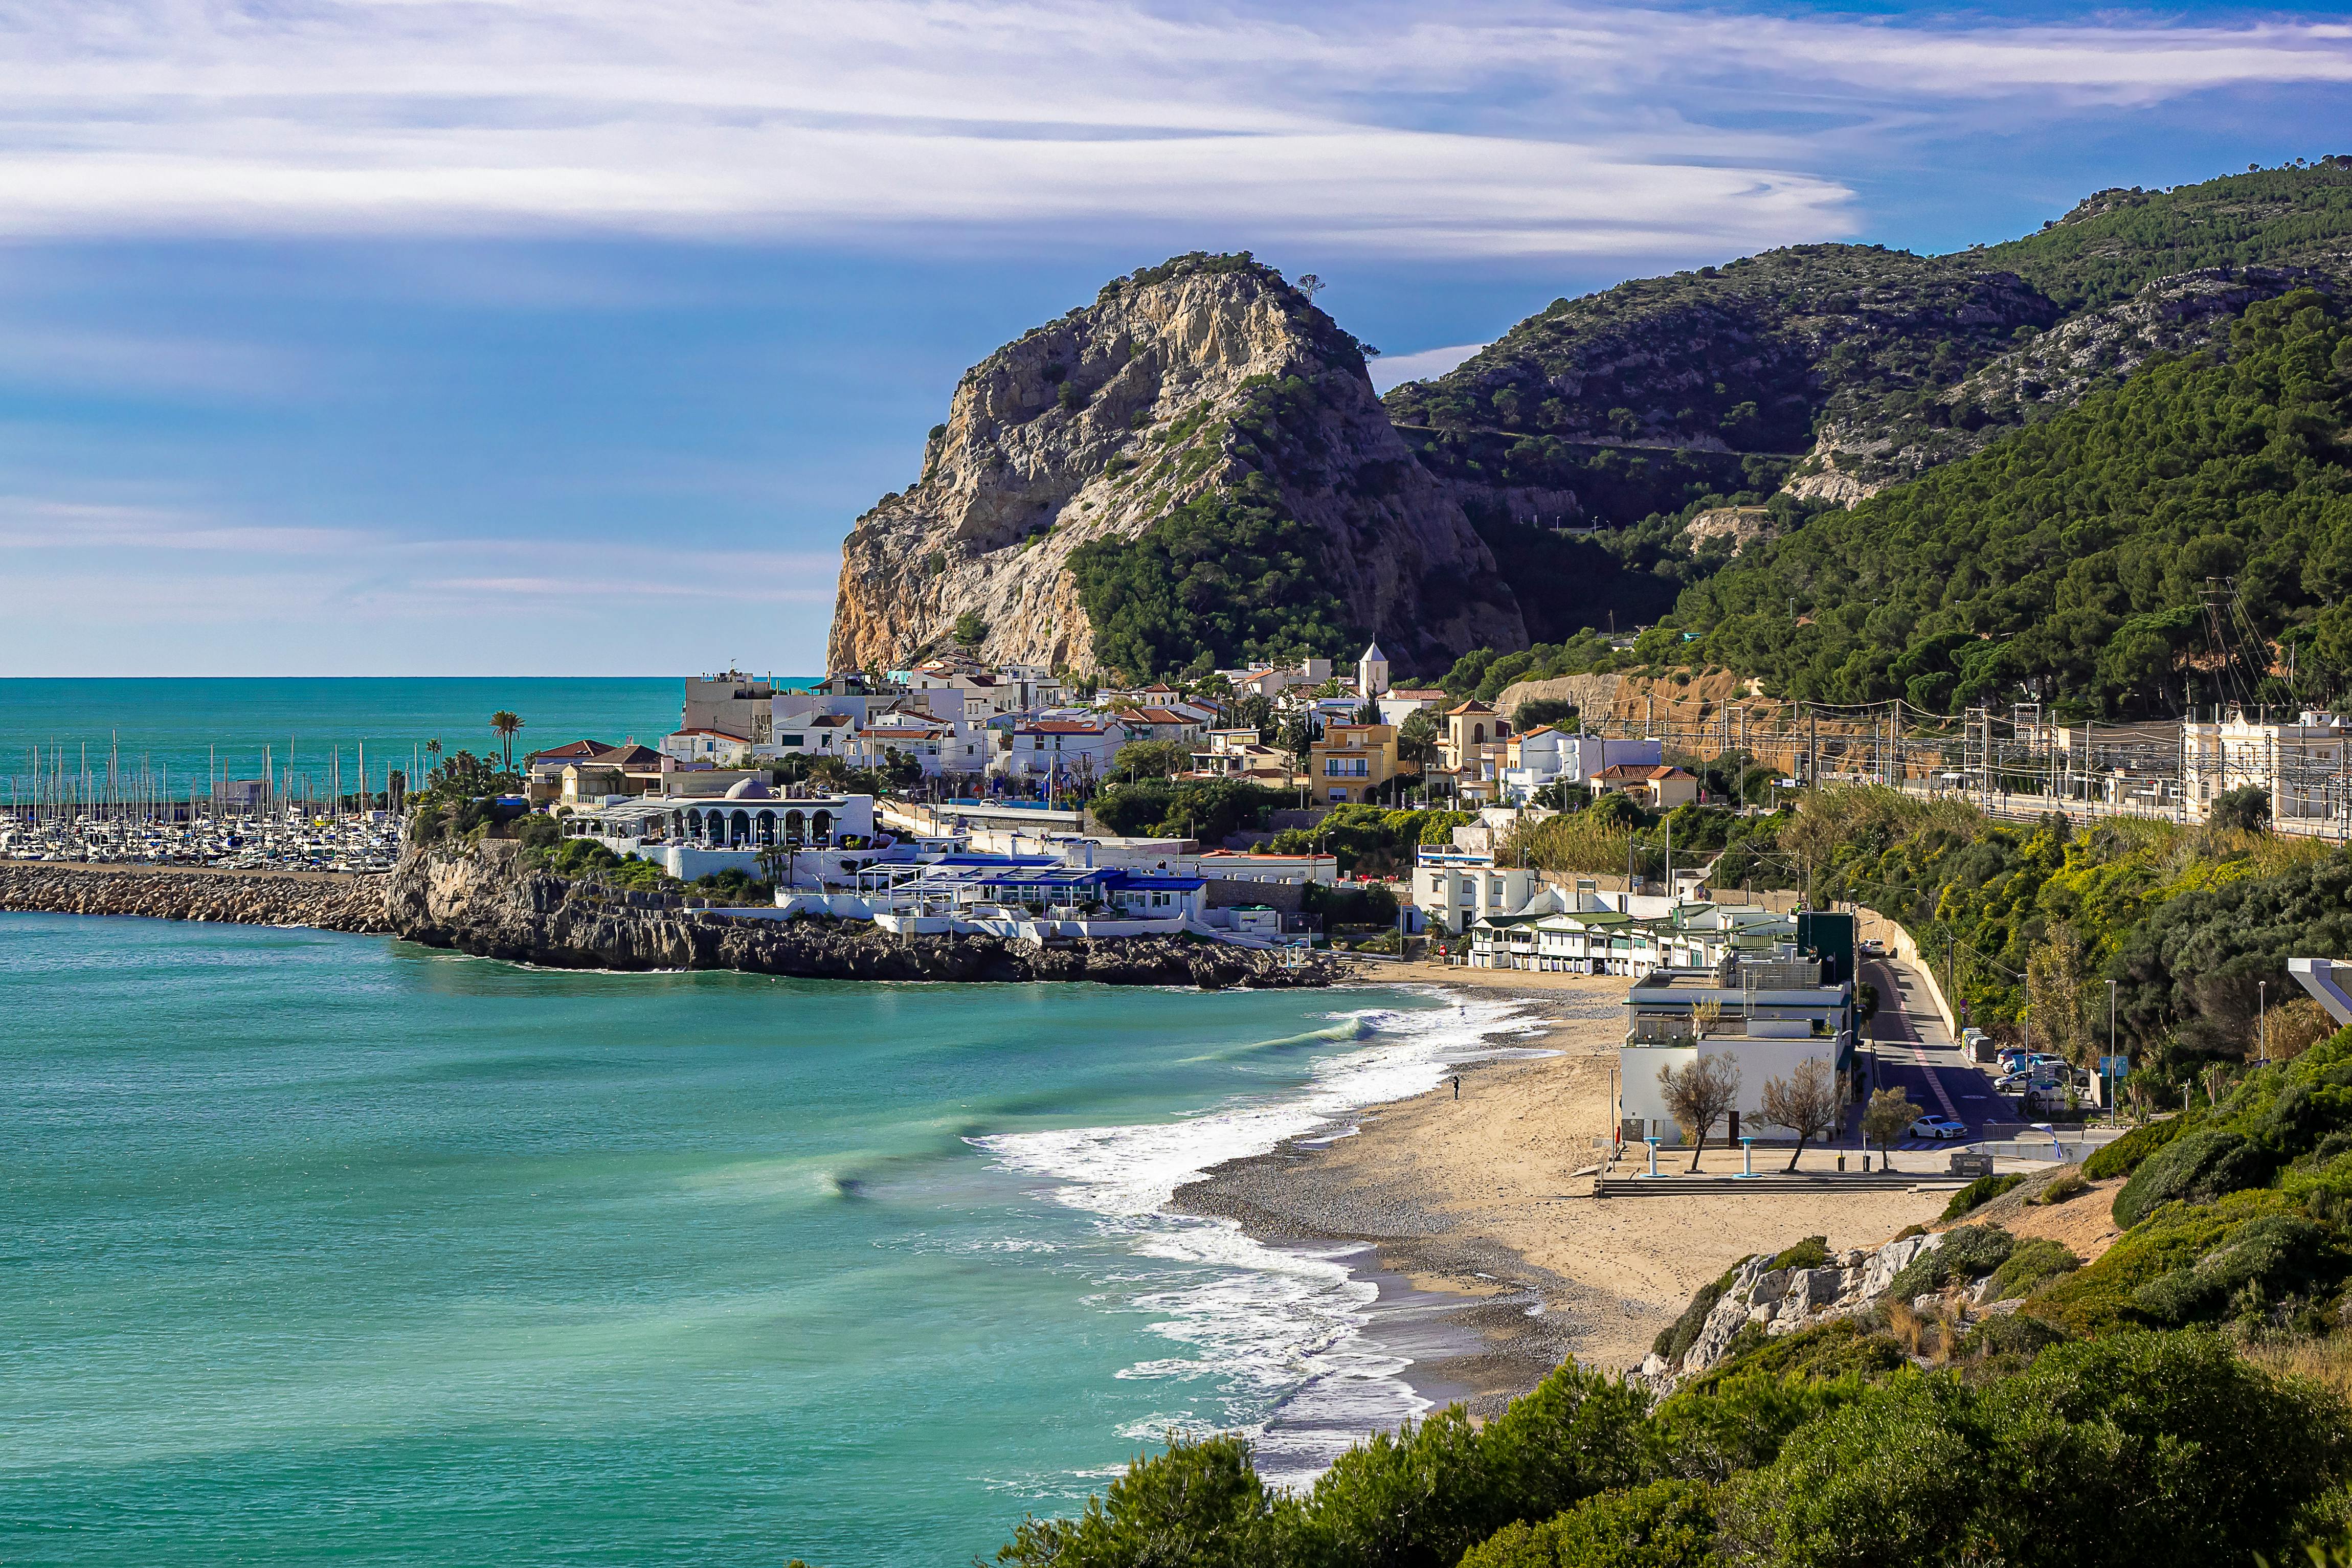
(1838, 1348)
(1898, 1476)
(1199, 1503)
(1666, 1524)
(2104, 1295)
(2195, 1169)
(2160, 1449)
(1421, 1498)
(2066, 1185)
(1813, 1252)
(2123, 1156)
(1977, 1193)
(2036, 1260)
(1968, 1252)
(2011, 1337)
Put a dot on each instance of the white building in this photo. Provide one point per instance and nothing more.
(715, 747)
(1061, 751)
(1766, 1015)
(2302, 764)
(1543, 757)
(1456, 889)
(1373, 674)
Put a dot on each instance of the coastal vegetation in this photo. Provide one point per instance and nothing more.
(2146, 1407)
(2073, 562)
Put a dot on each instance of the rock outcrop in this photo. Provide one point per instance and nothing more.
(480, 898)
(1100, 425)
(1783, 1301)
(329, 902)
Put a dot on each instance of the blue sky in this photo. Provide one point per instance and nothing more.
(480, 336)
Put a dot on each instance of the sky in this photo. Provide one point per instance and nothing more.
(543, 337)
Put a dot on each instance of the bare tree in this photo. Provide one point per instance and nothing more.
(1887, 1116)
(1700, 1095)
(1806, 1103)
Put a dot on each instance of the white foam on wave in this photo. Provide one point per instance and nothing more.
(1276, 1334)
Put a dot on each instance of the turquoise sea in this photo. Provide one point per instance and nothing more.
(326, 1249)
(179, 727)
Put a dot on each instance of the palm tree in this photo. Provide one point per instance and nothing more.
(432, 757)
(504, 724)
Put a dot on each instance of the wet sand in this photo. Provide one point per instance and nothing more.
(1480, 1209)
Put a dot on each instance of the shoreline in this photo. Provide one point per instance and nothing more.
(1493, 1261)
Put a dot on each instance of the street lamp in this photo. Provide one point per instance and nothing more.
(2111, 1050)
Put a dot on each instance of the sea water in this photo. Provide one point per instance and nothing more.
(175, 729)
(333, 1249)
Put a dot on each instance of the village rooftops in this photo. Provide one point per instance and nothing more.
(1162, 716)
(1473, 705)
(1625, 773)
(1062, 727)
(628, 756)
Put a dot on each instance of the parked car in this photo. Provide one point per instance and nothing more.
(1872, 944)
(1939, 1127)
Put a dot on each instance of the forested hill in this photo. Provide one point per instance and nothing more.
(2070, 562)
(1838, 369)
(2117, 242)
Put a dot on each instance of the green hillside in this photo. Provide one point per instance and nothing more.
(2069, 562)
(2117, 241)
(1719, 378)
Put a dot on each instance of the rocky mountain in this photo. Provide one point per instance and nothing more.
(1191, 470)
(1830, 371)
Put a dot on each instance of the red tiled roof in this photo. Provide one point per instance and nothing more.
(566, 752)
(1473, 705)
(1164, 716)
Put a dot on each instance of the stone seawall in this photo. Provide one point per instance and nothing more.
(177, 893)
(479, 898)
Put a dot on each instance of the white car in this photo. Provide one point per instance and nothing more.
(1939, 1127)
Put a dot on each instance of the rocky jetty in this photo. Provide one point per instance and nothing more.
(480, 898)
(330, 902)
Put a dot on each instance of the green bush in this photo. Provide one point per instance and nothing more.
(2194, 1169)
(1813, 1252)
(1977, 1193)
(1968, 1252)
(2124, 1156)
(1424, 1496)
(2128, 1284)
(1838, 1348)
(2158, 1450)
(1666, 1524)
(2060, 1188)
(1200, 1503)
(2035, 1261)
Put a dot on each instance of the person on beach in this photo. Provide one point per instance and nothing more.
(1457, 1085)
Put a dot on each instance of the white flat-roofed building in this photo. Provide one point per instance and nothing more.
(2301, 764)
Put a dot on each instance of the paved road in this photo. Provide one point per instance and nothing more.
(1916, 1054)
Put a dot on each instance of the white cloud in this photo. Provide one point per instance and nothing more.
(1505, 128)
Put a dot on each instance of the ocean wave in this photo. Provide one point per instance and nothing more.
(1274, 1334)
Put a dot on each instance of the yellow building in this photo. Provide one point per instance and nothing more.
(1350, 762)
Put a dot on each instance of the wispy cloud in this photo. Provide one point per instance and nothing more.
(1504, 128)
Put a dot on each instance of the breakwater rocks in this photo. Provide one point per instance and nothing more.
(165, 892)
(481, 900)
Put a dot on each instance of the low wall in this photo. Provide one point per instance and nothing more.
(328, 901)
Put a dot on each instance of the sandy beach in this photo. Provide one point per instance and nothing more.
(1485, 1201)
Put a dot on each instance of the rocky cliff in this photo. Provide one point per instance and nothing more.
(1205, 382)
(480, 898)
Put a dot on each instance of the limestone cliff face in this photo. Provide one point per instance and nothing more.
(1098, 425)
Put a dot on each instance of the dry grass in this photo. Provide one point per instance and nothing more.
(2325, 1361)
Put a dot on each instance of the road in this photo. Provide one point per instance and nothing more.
(1918, 1056)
